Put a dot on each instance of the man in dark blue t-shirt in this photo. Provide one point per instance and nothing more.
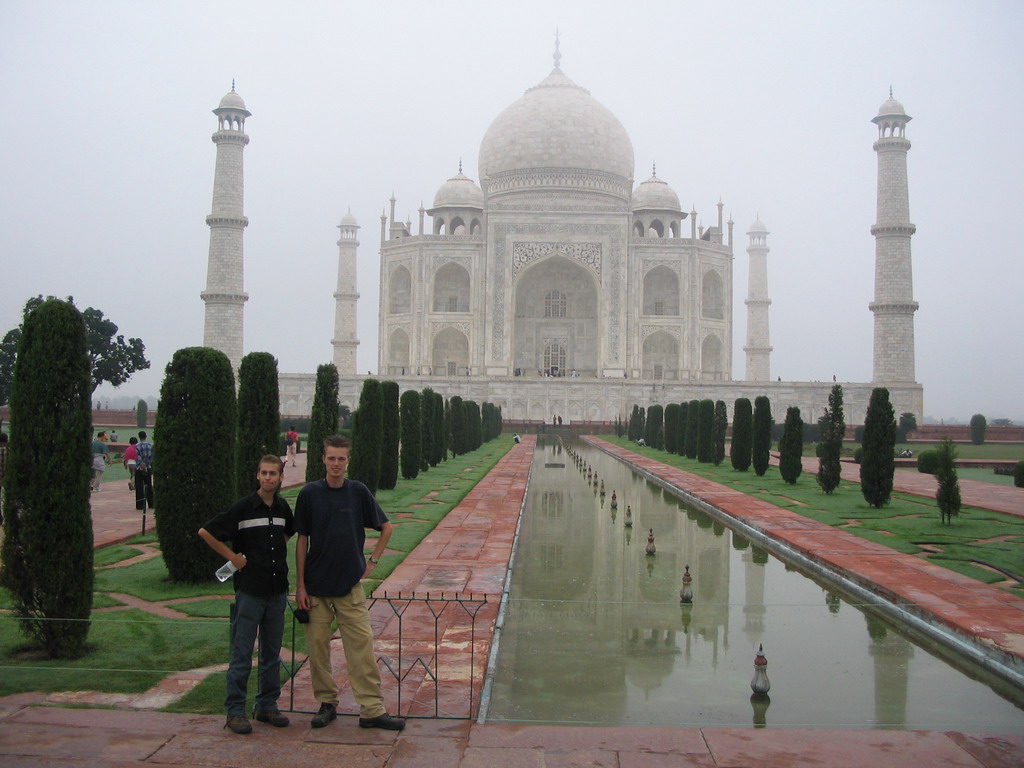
(331, 518)
(258, 527)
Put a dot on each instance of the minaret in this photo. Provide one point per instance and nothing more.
(224, 297)
(758, 349)
(345, 298)
(894, 304)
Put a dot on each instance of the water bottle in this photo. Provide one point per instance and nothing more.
(224, 572)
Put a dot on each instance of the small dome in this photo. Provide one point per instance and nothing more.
(232, 100)
(758, 228)
(891, 107)
(348, 220)
(459, 191)
(655, 195)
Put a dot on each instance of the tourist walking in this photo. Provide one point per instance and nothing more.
(143, 473)
(100, 458)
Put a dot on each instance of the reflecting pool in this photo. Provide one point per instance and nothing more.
(595, 633)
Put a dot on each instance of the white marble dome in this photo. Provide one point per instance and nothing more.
(232, 100)
(891, 107)
(459, 191)
(655, 195)
(556, 124)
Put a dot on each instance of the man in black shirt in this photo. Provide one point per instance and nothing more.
(258, 527)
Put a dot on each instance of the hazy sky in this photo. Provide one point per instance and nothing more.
(107, 163)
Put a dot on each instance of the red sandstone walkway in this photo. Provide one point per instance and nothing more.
(466, 552)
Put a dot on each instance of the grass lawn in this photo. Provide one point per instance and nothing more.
(132, 650)
(979, 543)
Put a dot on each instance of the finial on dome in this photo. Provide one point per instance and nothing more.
(890, 91)
(558, 56)
(460, 165)
(233, 86)
(654, 169)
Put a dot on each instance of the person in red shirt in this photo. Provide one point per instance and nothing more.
(291, 441)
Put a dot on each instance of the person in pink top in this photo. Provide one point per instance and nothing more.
(130, 457)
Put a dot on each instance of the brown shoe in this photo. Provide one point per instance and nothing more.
(274, 717)
(327, 713)
(238, 724)
(385, 721)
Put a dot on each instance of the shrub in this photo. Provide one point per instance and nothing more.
(684, 409)
(258, 417)
(654, 427)
(672, 427)
(948, 493)
(833, 427)
(456, 426)
(858, 454)
(440, 431)
(879, 463)
(141, 414)
(389, 436)
(761, 440)
(978, 427)
(47, 550)
(706, 431)
(1018, 474)
(791, 446)
(742, 422)
(927, 462)
(197, 407)
(323, 420)
(721, 425)
(692, 428)
(907, 424)
(412, 433)
(364, 465)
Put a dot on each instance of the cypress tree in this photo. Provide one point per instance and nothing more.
(706, 431)
(259, 417)
(833, 427)
(367, 446)
(742, 432)
(448, 446)
(672, 427)
(979, 424)
(948, 493)
(323, 420)
(878, 463)
(654, 428)
(440, 432)
(761, 435)
(721, 425)
(791, 446)
(47, 550)
(684, 420)
(141, 414)
(197, 406)
(389, 437)
(692, 428)
(472, 425)
(412, 433)
(428, 442)
(456, 426)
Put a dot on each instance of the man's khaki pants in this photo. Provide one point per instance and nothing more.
(353, 620)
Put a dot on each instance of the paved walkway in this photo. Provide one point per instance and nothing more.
(469, 551)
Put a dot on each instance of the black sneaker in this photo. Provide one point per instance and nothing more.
(272, 716)
(238, 724)
(327, 713)
(385, 721)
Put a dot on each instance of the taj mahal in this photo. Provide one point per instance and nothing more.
(557, 285)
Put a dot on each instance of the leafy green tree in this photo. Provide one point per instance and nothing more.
(684, 418)
(978, 427)
(672, 427)
(761, 439)
(112, 358)
(706, 431)
(197, 407)
(721, 426)
(637, 424)
(365, 463)
(412, 433)
(742, 425)
(833, 428)
(323, 420)
(906, 425)
(948, 493)
(141, 414)
(791, 446)
(692, 429)
(878, 464)
(1018, 474)
(654, 428)
(47, 550)
(259, 416)
(390, 436)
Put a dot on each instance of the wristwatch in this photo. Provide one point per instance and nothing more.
(373, 559)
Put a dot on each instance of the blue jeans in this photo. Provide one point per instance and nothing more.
(264, 615)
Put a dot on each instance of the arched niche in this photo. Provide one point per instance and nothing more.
(398, 352)
(712, 296)
(661, 356)
(399, 291)
(451, 288)
(449, 354)
(661, 292)
(556, 302)
(711, 366)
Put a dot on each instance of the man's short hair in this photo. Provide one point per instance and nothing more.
(272, 459)
(337, 441)
(142, 435)
(133, 440)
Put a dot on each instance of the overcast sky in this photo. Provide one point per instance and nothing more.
(107, 163)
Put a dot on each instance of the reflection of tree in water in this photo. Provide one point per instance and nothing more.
(833, 601)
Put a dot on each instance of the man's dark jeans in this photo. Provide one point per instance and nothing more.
(252, 614)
